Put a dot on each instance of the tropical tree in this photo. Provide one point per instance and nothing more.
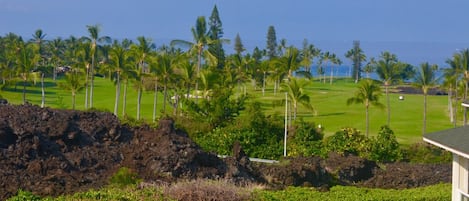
(94, 30)
(142, 51)
(26, 61)
(335, 60)
(165, 69)
(295, 89)
(73, 83)
(357, 56)
(120, 60)
(57, 50)
(465, 69)
(369, 67)
(389, 70)
(452, 77)
(186, 72)
(325, 58)
(368, 93)
(201, 40)
(39, 38)
(307, 55)
(425, 79)
(84, 55)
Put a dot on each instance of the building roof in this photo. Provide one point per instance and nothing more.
(455, 140)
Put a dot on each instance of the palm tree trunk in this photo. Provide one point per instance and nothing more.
(367, 118)
(24, 90)
(43, 93)
(424, 113)
(73, 99)
(188, 91)
(332, 74)
(386, 86)
(92, 76)
(165, 96)
(450, 104)
(295, 109)
(466, 83)
(139, 99)
(86, 87)
(118, 89)
(155, 100)
(124, 99)
(199, 58)
(263, 85)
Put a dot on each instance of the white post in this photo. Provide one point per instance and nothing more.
(286, 124)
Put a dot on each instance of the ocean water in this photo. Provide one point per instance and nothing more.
(346, 71)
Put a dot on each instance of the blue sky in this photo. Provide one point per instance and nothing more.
(416, 30)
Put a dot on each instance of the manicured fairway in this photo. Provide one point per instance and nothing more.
(332, 113)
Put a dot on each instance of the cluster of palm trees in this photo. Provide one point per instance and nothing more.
(186, 69)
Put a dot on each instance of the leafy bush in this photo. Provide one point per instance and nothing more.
(305, 139)
(259, 136)
(124, 176)
(24, 196)
(426, 153)
(385, 148)
(348, 140)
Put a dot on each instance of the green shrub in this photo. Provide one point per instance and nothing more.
(385, 148)
(426, 153)
(124, 177)
(305, 139)
(348, 140)
(24, 196)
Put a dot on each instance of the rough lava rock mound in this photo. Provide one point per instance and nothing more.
(53, 152)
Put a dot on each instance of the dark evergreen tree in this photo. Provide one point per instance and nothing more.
(271, 43)
(216, 33)
(357, 56)
(238, 45)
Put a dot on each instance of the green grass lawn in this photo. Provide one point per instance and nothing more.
(328, 100)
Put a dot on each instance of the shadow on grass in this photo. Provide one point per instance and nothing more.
(331, 114)
(28, 90)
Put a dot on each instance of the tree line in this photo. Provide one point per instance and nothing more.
(195, 71)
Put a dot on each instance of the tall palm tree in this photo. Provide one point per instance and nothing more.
(388, 69)
(368, 93)
(335, 60)
(142, 51)
(201, 41)
(39, 38)
(425, 78)
(465, 67)
(186, 71)
(325, 58)
(26, 61)
(369, 67)
(452, 77)
(165, 69)
(83, 59)
(295, 89)
(94, 30)
(57, 50)
(120, 60)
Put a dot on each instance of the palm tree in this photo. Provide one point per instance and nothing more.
(201, 41)
(142, 50)
(452, 77)
(325, 57)
(368, 93)
(465, 68)
(337, 61)
(295, 89)
(120, 61)
(84, 54)
(388, 69)
(72, 83)
(370, 67)
(39, 39)
(165, 69)
(186, 71)
(425, 79)
(95, 38)
(264, 66)
(57, 50)
(26, 61)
